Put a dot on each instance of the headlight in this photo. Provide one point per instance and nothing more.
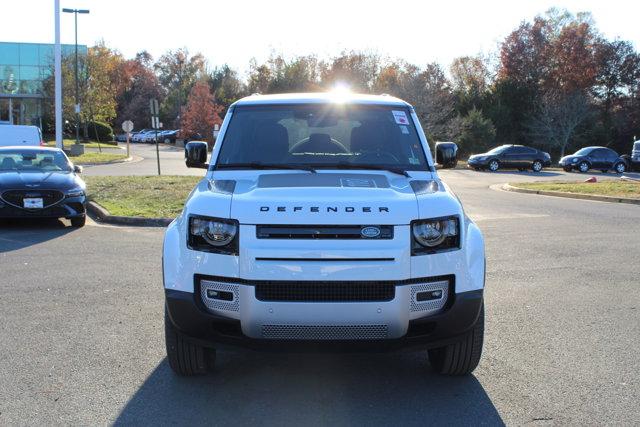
(213, 235)
(75, 192)
(482, 158)
(435, 235)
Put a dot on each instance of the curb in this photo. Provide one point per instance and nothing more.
(609, 199)
(103, 215)
(112, 162)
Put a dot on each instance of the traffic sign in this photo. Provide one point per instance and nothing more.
(153, 106)
(127, 126)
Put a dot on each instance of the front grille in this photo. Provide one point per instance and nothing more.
(326, 291)
(15, 197)
(369, 232)
(325, 332)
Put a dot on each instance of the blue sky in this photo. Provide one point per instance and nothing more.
(235, 31)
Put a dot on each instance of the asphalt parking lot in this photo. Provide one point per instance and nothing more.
(81, 336)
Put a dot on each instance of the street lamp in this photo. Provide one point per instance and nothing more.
(77, 107)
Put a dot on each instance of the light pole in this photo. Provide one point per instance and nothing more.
(77, 106)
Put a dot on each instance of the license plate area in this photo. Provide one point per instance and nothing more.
(32, 203)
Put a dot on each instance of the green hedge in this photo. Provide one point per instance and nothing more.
(100, 131)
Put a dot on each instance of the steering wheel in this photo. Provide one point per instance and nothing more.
(377, 157)
(337, 146)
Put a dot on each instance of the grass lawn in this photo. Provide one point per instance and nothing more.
(67, 143)
(603, 188)
(144, 196)
(97, 158)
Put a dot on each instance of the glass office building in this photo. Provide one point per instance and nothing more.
(23, 67)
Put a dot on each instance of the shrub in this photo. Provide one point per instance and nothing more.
(100, 131)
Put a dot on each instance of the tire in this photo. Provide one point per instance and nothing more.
(494, 165)
(536, 166)
(462, 357)
(185, 358)
(620, 167)
(167, 140)
(583, 167)
(78, 221)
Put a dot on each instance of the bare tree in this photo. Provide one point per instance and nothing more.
(557, 118)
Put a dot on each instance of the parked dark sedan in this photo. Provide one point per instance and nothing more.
(40, 182)
(600, 158)
(168, 136)
(518, 157)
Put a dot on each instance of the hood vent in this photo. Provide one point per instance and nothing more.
(358, 182)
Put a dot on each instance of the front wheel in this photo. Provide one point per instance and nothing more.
(583, 167)
(78, 221)
(620, 168)
(462, 357)
(536, 166)
(494, 165)
(185, 357)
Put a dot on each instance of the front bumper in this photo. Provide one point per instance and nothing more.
(475, 163)
(187, 314)
(69, 207)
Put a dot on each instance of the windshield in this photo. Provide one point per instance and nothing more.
(583, 151)
(327, 135)
(498, 150)
(33, 161)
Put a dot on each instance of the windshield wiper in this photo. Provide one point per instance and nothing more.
(392, 169)
(260, 165)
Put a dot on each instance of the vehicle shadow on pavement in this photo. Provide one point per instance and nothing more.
(21, 233)
(311, 389)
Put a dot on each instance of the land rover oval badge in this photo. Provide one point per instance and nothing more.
(370, 232)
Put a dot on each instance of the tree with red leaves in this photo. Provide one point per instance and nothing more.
(201, 114)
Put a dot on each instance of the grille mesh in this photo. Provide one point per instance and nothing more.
(215, 304)
(326, 292)
(49, 197)
(433, 305)
(324, 332)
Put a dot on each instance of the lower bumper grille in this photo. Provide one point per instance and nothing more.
(326, 292)
(324, 332)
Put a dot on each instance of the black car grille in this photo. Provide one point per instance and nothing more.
(15, 197)
(325, 291)
(322, 231)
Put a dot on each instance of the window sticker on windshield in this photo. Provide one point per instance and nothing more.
(404, 130)
(400, 117)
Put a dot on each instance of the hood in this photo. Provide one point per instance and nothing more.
(45, 180)
(324, 198)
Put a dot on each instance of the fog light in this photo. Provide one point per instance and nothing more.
(219, 295)
(428, 295)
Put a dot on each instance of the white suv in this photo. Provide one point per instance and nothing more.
(322, 223)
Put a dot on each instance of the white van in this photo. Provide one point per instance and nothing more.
(16, 135)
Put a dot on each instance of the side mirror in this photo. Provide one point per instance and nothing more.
(195, 154)
(447, 154)
(77, 169)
